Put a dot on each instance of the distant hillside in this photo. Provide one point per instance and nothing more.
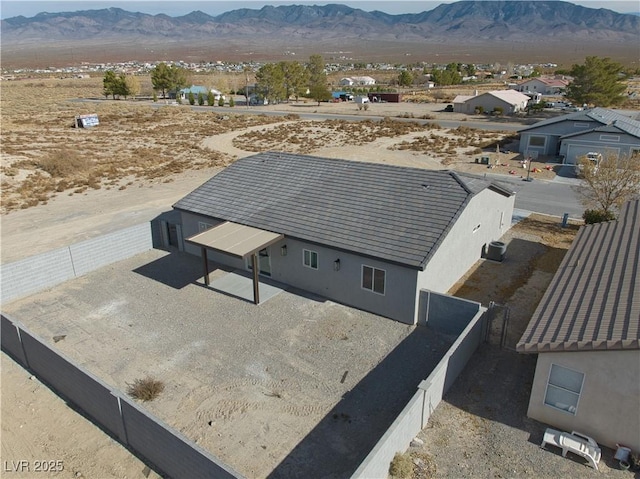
(532, 23)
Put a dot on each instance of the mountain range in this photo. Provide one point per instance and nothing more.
(506, 25)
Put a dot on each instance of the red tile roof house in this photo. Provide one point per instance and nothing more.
(546, 86)
(367, 235)
(586, 333)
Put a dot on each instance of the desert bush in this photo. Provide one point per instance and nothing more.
(146, 389)
(401, 466)
(62, 163)
(597, 216)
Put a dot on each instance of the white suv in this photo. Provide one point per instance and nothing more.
(595, 159)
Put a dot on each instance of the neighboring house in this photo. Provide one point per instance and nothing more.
(543, 85)
(575, 134)
(510, 101)
(586, 333)
(199, 90)
(367, 235)
(357, 81)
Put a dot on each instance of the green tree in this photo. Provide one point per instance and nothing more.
(470, 69)
(221, 101)
(115, 85)
(270, 82)
(178, 78)
(192, 98)
(161, 79)
(449, 76)
(608, 184)
(232, 102)
(318, 89)
(211, 98)
(295, 78)
(122, 86)
(405, 78)
(597, 82)
(200, 99)
(166, 78)
(109, 84)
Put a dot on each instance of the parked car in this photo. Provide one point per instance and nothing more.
(594, 157)
(448, 108)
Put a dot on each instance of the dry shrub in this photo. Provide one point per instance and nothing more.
(63, 163)
(146, 389)
(401, 466)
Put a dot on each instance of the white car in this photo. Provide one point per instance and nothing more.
(594, 157)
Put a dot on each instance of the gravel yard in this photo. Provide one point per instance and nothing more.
(293, 386)
(481, 429)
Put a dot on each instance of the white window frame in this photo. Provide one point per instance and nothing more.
(373, 279)
(202, 226)
(571, 409)
(613, 138)
(310, 262)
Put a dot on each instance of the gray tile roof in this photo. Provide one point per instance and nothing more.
(631, 127)
(603, 116)
(593, 301)
(394, 213)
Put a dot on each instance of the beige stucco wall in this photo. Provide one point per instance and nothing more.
(609, 405)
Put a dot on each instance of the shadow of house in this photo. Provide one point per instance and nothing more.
(176, 270)
(346, 435)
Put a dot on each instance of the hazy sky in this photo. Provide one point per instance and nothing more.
(29, 8)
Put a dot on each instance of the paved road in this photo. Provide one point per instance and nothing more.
(555, 197)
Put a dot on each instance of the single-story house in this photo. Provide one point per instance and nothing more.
(543, 85)
(357, 81)
(598, 129)
(510, 101)
(586, 333)
(199, 90)
(368, 235)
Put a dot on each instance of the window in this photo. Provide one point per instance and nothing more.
(563, 389)
(373, 279)
(310, 259)
(202, 226)
(579, 124)
(537, 141)
(610, 138)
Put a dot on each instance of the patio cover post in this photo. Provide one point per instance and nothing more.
(256, 278)
(206, 266)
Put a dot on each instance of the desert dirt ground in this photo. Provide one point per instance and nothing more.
(62, 185)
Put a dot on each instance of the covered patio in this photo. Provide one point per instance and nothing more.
(236, 240)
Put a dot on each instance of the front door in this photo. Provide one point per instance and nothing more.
(264, 262)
